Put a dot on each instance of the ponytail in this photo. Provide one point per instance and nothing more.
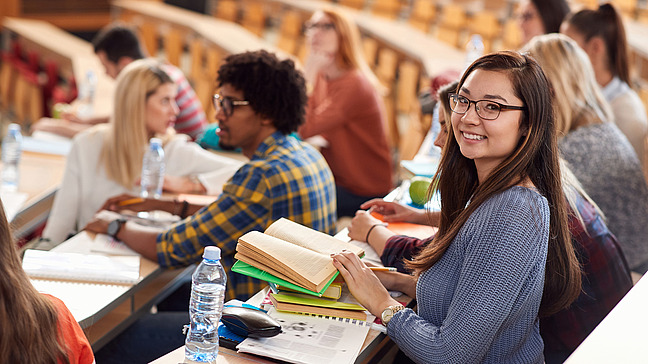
(606, 22)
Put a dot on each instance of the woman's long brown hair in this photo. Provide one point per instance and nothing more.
(29, 330)
(536, 158)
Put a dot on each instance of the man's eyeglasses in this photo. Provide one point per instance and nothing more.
(227, 104)
(310, 27)
(486, 109)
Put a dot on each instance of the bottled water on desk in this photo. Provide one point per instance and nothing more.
(11, 151)
(153, 170)
(205, 308)
(86, 96)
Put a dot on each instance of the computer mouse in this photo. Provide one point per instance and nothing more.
(249, 322)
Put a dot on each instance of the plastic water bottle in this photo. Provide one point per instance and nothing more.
(153, 170)
(87, 95)
(11, 151)
(474, 49)
(205, 308)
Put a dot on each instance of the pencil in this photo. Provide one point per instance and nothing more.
(383, 269)
(130, 201)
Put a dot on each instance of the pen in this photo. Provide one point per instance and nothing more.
(130, 201)
(383, 269)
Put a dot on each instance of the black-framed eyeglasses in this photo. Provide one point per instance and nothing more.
(310, 27)
(486, 109)
(227, 104)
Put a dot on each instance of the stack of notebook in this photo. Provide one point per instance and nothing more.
(291, 255)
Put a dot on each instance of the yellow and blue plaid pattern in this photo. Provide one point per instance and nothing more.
(284, 178)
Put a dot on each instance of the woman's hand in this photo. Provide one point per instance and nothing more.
(393, 211)
(315, 62)
(363, 284)
(360, 225)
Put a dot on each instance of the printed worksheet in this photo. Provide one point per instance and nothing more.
(311, 339)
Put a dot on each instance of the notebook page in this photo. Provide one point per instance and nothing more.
(82, 299)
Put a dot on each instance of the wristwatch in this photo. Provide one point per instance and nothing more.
(114, 227)
(389, 312)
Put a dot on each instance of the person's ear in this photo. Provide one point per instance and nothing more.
(595, 47)
(123, 62)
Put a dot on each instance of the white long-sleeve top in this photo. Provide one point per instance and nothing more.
(86, 186)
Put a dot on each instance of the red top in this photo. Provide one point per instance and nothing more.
(77, 345)
(349, 114)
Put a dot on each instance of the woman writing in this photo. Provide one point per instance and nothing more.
(107, 160)
(346, 110)
(36, 328)
(601, 34)
(481, 283)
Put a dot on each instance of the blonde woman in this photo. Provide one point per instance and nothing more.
(598, 153)
(107, 160)
(345, 108)
(36, 328)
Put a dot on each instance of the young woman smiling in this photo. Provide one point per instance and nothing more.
(503, 254)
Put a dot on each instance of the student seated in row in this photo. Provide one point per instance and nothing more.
(106, 160)
(598, 153)
(601, 34)
(346, 110)
(606, 275)
(36, 328)
(503, 255)
(117, 46)
(260, 101)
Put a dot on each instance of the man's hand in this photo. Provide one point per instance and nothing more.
(100, 221)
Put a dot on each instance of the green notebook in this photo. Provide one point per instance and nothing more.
(248, 270)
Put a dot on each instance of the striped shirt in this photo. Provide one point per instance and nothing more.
(191, 120)
(284, 178)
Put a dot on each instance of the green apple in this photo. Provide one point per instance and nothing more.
(418, 190)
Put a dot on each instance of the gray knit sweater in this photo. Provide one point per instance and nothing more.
(605, 164)
(479, 302)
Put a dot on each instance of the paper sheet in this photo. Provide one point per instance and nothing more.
(311, 340)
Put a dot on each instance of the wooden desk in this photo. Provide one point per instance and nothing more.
(622, 336)
(433, 55)
(73, 56)
(40, 176)
(637, 35)
(231, 38)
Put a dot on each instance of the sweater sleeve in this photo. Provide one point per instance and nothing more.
(504, 245)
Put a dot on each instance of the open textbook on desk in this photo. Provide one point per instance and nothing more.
(291, 254)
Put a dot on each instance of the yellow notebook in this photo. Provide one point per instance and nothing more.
(317, 306)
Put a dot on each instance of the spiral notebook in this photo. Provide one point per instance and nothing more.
(81, 267)
(311, 339)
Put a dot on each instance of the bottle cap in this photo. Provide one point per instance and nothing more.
(156, 142)
(212, 253)
(14, 127)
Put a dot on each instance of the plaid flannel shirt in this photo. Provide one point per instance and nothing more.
(284, 178)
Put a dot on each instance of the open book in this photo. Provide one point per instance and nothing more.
(294, 253)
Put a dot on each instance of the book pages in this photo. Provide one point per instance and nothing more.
(308, 238)
(315, 268)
